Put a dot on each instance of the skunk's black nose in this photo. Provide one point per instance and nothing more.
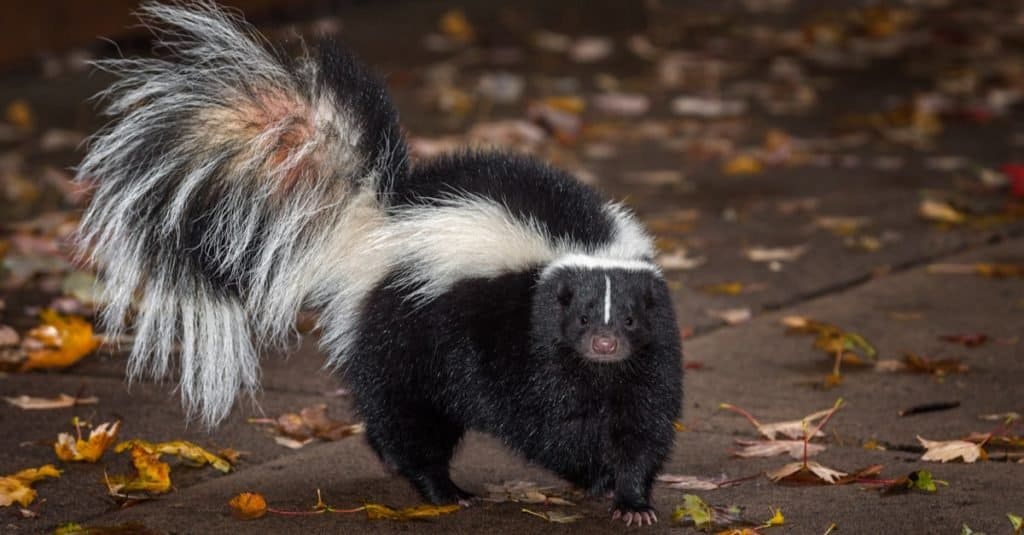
(604, 345)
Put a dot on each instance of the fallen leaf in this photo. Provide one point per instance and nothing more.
(248, 506)
(992, 271)
(590, 49)
(680, 482)
(17, 488)
(456, 26)
(71, 448)
(152, 475)
(732, 316)
(776, 520)
(707, 108)
(842, 225)
(8, 336)
(419, 512)
(950, 450)
(180, 448)
(724, 288)
(679, 260)
(557, 517)
(743, 164)
(937, 367)
(1017, 522)
(703, 516)
(775, 254)
(794, 429)
(940, 212)
(19, 113)
(59, 342)
(524, 492)
(805, 473)
(60, 402)
(967, 340)
(771, 448)
(128, 528)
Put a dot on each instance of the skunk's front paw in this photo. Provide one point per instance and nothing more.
(633, 514)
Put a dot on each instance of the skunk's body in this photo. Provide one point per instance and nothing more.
(476, 291)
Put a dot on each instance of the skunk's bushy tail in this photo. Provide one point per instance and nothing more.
(229, 179)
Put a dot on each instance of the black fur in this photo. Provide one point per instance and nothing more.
(501, 356)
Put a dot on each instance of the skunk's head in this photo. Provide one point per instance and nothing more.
(601, 314)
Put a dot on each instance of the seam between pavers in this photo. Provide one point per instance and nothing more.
(856, 282)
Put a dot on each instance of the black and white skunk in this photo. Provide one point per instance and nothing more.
(477, 291)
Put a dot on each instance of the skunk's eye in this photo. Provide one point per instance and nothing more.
(584, 320)
(629, 321)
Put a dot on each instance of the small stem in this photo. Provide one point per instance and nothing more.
(729, 407)
(294, 513)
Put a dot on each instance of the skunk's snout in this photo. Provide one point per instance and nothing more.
(604, 345)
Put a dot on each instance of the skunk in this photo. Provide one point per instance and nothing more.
(480, 290)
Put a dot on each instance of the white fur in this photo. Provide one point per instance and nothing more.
(607, 299)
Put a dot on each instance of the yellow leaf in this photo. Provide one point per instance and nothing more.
(941, 212)
(724, 288)
(456, 26)
(65, 340)
(573, 105)
(181, 448)
(153, 475)
(17, 488)
(69, 448)
(248, 505)
(743, 164)
(19, 113)
(376, 511)
(776, 520)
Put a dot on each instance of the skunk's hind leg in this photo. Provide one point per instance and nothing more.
(418, 444)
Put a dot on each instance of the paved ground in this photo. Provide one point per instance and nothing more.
(840, 161)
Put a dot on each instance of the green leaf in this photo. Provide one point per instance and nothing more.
(1017, 522)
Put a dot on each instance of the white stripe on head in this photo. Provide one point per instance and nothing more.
(607, 299)
(582, 261)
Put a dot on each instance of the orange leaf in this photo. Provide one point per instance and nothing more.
(248, 506)
(17, 488)
(64, 340)
(153, 475)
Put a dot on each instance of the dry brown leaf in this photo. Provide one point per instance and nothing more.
(557, 517)
(811, 473)
(524, 492)
(743, 164)
(950, 450)
(771, 448)
(311, 422)
(60, 402)
(940, 212)
(59, 342)
(456, 26)
(19, 113)
(732, 316)
(180, 448)
(71, 448)
(17, 488)
(681, 482)
(794, 429)
(248, 505)
(679, 260)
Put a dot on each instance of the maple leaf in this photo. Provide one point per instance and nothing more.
(70, 448)
(1017, 522)
(794, 429)
(61, 341)
(181, 448)
(557, 517)
(298, 429)
(60, 402)
(681, 482)
(248, 505)
(17, 488)
(945, 451)
(152, 475)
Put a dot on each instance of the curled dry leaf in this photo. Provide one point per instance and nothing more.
(59, 342)
(679, 260)
(732, 316)
(248, 506)
(950, 450)
(794, 429)
(771, 448)
(299, 429)
(180, 448)
(940, 212)
(60, 402)
(17, 488)
(70, 448)
(557, 517)
(809, 473)
(681, 482)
